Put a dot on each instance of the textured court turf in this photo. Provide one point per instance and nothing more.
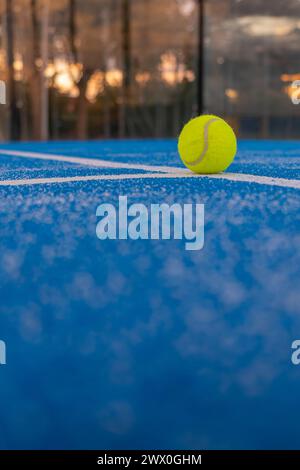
(141, 344)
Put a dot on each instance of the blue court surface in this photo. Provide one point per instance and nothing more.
(124, 344)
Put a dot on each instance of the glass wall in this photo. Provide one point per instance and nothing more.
(252, 60)
(97, 68)
(77, 69)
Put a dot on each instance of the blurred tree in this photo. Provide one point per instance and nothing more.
(86, 73)
(126, 59)
(14, 115)
(35, 79)
(44, 81)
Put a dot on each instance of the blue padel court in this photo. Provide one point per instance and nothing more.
(141, 344)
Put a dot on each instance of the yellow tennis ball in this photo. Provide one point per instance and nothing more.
(207, 144)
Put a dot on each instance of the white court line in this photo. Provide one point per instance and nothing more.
(165, 172)
(72, 179)
(283, 183)
(91, 162)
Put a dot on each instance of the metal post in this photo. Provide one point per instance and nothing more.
(201, 49)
